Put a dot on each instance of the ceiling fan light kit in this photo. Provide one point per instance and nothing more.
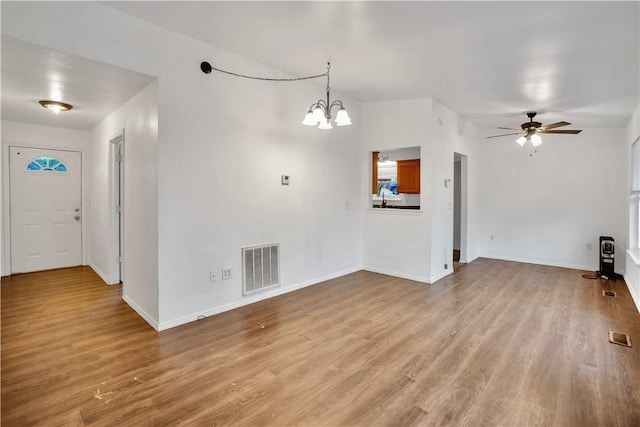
(535, 140)
(532, 131)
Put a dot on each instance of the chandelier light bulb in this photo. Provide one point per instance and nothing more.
(521, 140)
(309, 119)
(318, 114)
(325, 124)
(342, 118)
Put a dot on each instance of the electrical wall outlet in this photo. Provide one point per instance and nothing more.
(226, 273)
(212, 276)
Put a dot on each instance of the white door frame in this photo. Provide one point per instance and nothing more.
(116, 198)
(463, 204)
(6, 200)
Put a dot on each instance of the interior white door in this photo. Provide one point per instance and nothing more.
(45, 211)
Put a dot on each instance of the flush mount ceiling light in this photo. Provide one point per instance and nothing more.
(319, 113)
(55, 106)
(532, 130)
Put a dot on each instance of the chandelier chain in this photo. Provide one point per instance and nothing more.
(269, 78)
(327, 73)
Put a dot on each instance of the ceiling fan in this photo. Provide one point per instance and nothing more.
(531, 129)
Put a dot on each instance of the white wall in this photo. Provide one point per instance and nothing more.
(28, 135)
(632, 277)
(410, 244)
(632, 256)
(396, 242)
(547, 207)
(451, 134)
(633, 128)
(139, 119)
(223, 143)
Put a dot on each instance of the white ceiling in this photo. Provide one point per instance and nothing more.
(31, 73)
(489, 61)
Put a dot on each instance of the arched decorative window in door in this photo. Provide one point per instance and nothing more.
(46, 164)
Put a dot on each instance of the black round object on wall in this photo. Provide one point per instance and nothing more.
(206, 67)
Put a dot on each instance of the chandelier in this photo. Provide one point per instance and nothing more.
(319, 113)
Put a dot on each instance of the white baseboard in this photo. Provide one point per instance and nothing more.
(251, 299)
(427, 280)
(150, 320)
(634, 297)
(93, 267)
(468, 260)
(99, 273)
(542, 262)
(633, 264)
(397, 274)
(437, 277)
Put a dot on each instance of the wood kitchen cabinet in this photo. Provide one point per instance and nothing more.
(374, 172)
(409, 176)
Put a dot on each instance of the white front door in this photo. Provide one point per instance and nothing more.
(45, 211)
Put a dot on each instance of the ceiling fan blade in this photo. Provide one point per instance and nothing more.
(566, 131)
(506, 134)
(554, 125)
(500, 127)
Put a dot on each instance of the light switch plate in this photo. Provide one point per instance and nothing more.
(285, 179)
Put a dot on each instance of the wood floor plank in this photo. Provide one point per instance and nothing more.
(496, 343)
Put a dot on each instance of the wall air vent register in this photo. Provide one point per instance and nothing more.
(260, 268)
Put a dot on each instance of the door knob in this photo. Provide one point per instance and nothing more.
(77, 217)
(77, 210)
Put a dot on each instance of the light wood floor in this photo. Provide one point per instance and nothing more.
(497, 343)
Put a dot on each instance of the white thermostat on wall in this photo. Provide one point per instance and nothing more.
(285, 179)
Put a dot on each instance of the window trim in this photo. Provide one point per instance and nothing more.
(634, 198)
